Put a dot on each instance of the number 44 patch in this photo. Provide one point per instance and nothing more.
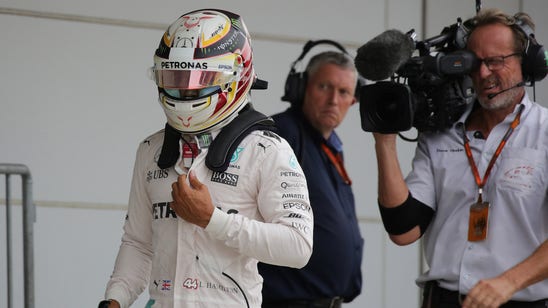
(191, 283)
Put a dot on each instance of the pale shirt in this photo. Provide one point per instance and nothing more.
(516, 190)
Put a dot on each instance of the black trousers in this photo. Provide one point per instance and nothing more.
(334, 302)
(435, 296)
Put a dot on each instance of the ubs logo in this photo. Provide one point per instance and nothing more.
(157, 174)
(225, 178)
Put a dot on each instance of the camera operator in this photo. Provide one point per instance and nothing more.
(478, 190)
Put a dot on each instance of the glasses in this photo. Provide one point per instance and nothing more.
(494, 63)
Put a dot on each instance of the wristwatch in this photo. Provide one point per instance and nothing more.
(104, 304)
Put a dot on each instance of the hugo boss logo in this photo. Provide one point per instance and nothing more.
(225, 178)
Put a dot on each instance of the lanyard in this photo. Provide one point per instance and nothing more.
(338, 163)
(502, 143)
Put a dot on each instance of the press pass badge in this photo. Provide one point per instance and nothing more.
(479, 211)
(479, 221)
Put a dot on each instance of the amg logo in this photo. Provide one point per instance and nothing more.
(184, 65)
(225, 178)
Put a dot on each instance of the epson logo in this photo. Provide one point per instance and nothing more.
(297, 206)
(225, 178)
(184, 65)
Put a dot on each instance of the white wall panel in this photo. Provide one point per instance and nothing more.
(286, 18)
(75, 101)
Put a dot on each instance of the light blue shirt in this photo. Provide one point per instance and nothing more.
(516, 190)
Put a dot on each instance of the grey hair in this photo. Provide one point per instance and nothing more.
(339, 59)
(492, 16)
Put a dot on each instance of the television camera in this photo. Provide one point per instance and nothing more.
(429, 91)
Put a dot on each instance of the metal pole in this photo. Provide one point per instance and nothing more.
(8, 240)
(29, 217)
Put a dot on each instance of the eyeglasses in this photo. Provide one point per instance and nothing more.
(494, 63)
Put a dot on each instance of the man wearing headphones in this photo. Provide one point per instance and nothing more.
(320, 98)
(478, 191)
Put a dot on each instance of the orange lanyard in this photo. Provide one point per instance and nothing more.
(502, 143)
(338, 163)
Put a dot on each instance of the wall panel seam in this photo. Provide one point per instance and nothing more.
(146, 25)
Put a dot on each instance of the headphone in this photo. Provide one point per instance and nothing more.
(295, 84)
(534, 65)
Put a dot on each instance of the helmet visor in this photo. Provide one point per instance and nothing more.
(184, 79)
(214, 71)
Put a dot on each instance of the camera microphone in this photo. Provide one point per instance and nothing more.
(519, 84)
(380, 58)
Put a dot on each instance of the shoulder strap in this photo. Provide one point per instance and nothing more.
(170, 147)
(223, 146)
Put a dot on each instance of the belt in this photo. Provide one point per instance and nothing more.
(334, 302)
(438, 297)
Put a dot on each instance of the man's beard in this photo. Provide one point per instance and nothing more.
(502, 100)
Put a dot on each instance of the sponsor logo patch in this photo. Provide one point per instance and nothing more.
(225, 178)
(297, 206)
(236, 155)
(289, 185)
(157, 174)
(293, 196)
(162, 210)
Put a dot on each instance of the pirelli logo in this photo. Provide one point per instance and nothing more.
(225, 178)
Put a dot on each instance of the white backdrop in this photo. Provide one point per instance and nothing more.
(75, 101)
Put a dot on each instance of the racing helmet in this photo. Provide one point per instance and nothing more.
(203, 69)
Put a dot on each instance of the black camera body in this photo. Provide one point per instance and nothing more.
(429, 91)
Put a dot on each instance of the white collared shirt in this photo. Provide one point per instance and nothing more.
(516, 190)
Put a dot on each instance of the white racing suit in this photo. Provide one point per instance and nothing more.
(262, 214)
